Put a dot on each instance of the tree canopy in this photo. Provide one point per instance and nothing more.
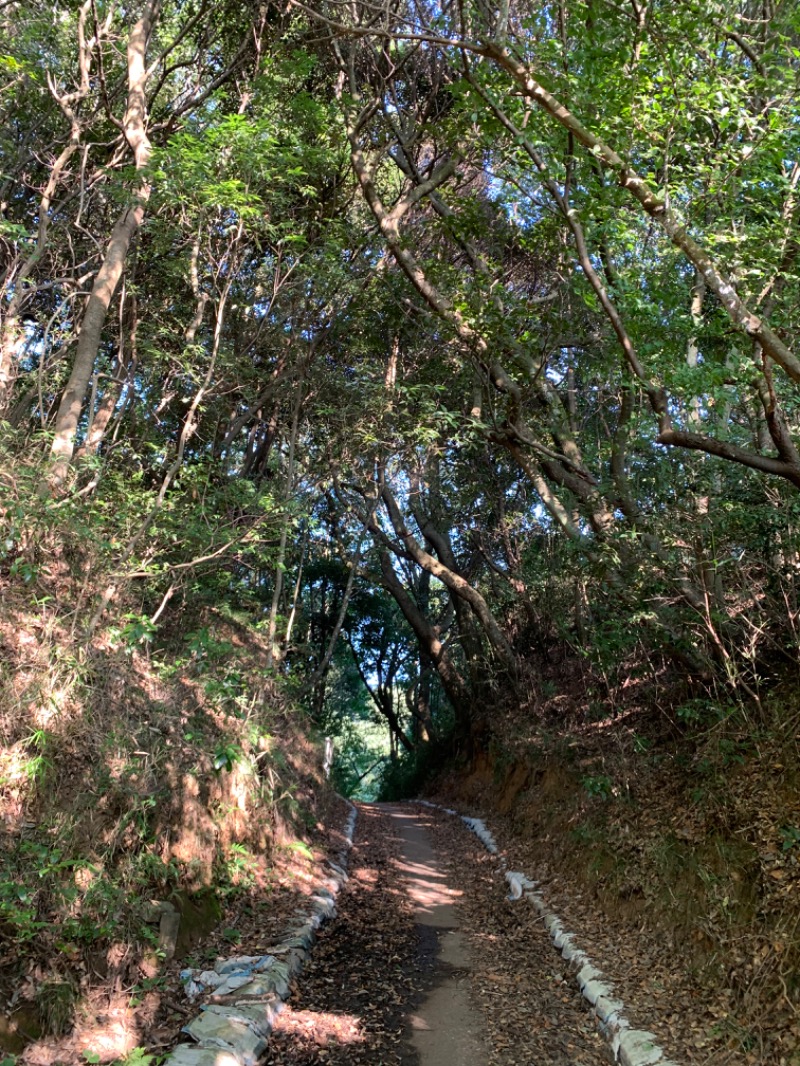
(448, 341)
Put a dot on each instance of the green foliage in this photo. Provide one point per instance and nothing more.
(275, 352)
(226, 756)
(600, 786)
(138, 630)
(240, 868)
(404, 777)
(138, 1057)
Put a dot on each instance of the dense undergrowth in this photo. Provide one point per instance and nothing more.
(140, 761)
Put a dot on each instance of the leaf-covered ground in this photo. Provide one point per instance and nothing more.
(373, 965)
(672, 860)
(533, 1010)
(367, 968)
(139, 1006)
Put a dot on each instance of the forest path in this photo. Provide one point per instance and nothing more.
(428, 964)
(444, 1029)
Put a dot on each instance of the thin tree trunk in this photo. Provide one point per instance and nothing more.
(273, 652)
(110, 272)
(384, 701)
(297, 586)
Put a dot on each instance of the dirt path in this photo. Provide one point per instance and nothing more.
(367, 972)
(427, 963)
(444, 1029)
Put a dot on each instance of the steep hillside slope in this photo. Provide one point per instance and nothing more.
(155, 786)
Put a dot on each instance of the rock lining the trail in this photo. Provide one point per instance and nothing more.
(247, 993)
(631, 1047)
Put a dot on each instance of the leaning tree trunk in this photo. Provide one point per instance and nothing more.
(110, 272)
(456, 584)
(452, 682)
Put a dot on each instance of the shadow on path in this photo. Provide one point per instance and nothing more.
(445, 1029)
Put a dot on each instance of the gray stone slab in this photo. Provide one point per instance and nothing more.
(296, 960)
(605, 1007)
(168, 929)
(561, 938)
(612, 1031)
(639, 1048)
(192, 1055)
(241, 962)
(323, 906)
(232, 983)
(550, 920)
(258, 985)
(290, 944)
(536, 899)
(305, 935)
(594, 990)
(573, 954)
(265, 1011)
(213, 1030)
(273, 983)
(616, 1029)
(254, 1015)
(588, 973)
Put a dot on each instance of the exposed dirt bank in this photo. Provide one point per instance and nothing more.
(157, 805)
(674, 862)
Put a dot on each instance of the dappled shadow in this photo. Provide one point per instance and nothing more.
(123, 782)
(364, 979)
(424, 882)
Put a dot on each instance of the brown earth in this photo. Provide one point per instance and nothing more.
(148, 1008)
(131, 775)
(673, 858)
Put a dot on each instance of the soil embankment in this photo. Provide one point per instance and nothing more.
(673, 857)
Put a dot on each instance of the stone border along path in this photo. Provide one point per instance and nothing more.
(631, 1047)
(246, 993)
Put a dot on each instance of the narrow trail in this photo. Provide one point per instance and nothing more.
(445, 1029)
(428, 964)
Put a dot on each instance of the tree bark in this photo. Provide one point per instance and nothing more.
(110, 272)
(452, 682)
(457, 584)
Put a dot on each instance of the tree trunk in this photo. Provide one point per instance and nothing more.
(452, 682)
(454, 582)
(110, 272)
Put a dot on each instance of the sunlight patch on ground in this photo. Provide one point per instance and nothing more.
(321, 1027)
(109, 1040)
